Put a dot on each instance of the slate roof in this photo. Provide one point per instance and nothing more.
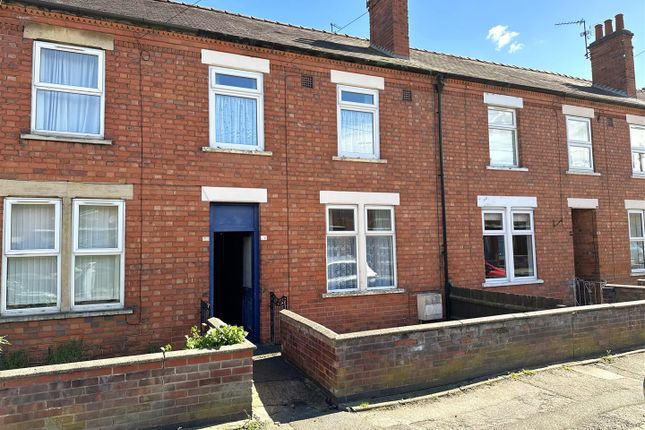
(225, 25)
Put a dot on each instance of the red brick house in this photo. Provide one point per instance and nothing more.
(157, 154)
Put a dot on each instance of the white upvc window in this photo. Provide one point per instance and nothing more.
(509, 245)
(637, 240)
(579, 143)
(361, 247)
(358, 122)
(637, 135)
(502, 137)
(68, 96)
(236, 106)
(98, 254)
(31, 256)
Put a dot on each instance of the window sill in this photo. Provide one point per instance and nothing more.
(88, 140)
(582, 172)
(359, 160)
(64, 315)
(513, 169)
(638, 176)
(361, 293)
(510, 284)
(237, 151)
(638, 273)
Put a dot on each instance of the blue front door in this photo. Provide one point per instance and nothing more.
(234, 273)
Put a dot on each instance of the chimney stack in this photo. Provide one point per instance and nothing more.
(612, 57)
(389, 27)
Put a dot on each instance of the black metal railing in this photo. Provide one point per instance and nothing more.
(274, 302)
(588, 292)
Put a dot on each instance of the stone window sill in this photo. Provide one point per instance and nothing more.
(581, 172)
(513, 169)
(87, 140)
(237, 151)
(359, 160)
(639, 273)
(361, 293)
(510, 284)
(638, 176)
(64, 315)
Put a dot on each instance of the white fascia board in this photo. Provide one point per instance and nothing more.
(578, 111)
(635, 119)
(357, 80)
(354, 198)
(234, 195)
(503, 101)
(574, 203)
(235, 61)
(506, 201)
(634, 204)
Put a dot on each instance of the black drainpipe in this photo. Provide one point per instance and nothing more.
(444, 239)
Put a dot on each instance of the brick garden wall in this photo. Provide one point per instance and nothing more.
(146, 391)
(473, 303)
(614, 293)
(380, 362)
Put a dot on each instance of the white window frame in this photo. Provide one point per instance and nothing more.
(635, 239)
(119, 250)
(257, 94)
(37, 85)
(636, 150)
(508, 231)
(358, 107)
(360, 233)
(579, 143)
(512, 128)
(8, 252)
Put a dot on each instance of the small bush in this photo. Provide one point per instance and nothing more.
(67, 352)
(215, 337)
(14, 360)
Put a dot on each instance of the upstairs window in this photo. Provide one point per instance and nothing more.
(236, 109)
(68, 90)
(502, 137)
(637, 133)
(579, 143)
(358, 122)
(637, 240)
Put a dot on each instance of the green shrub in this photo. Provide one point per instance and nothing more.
(67, 352)
(14, 360)
(215, 337)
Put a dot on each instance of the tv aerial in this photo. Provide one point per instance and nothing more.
(585, 33)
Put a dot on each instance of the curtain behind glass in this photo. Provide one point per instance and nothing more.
(31, 282)
(33, 227)
(380, 261)
(69, 68)
(98, 227)
(236, 120)
(357, 132)
(342, 267)
(96, 279)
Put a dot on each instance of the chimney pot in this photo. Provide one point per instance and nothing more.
(599, 32)
(608, 27)
(620, 22)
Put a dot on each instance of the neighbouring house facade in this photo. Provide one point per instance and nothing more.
(155, 155)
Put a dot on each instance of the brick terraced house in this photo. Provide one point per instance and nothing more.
(157, 154)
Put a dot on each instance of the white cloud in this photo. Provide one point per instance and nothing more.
(501, 37)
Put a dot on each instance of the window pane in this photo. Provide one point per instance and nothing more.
(579, 157)
(96, 279)
(635, 225)
(493, 221)
(69, 68)
(236, 81)
(638, 255)
(357, 132)
(33, 227)
(342, 268)
(348, 96)
(380, 261)
(494, 257)
(68, 112)
(578, 130)
(502, 147)
(341, 220)
(500, 117)
(638, 162)
(379, 220)
(236, 120)
(522, 221)
(98, 227)
(523, 256)
(638, 137)
(31, 282)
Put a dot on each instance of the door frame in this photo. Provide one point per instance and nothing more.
(251, 226)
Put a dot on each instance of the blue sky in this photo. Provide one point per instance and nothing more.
(462, 27)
